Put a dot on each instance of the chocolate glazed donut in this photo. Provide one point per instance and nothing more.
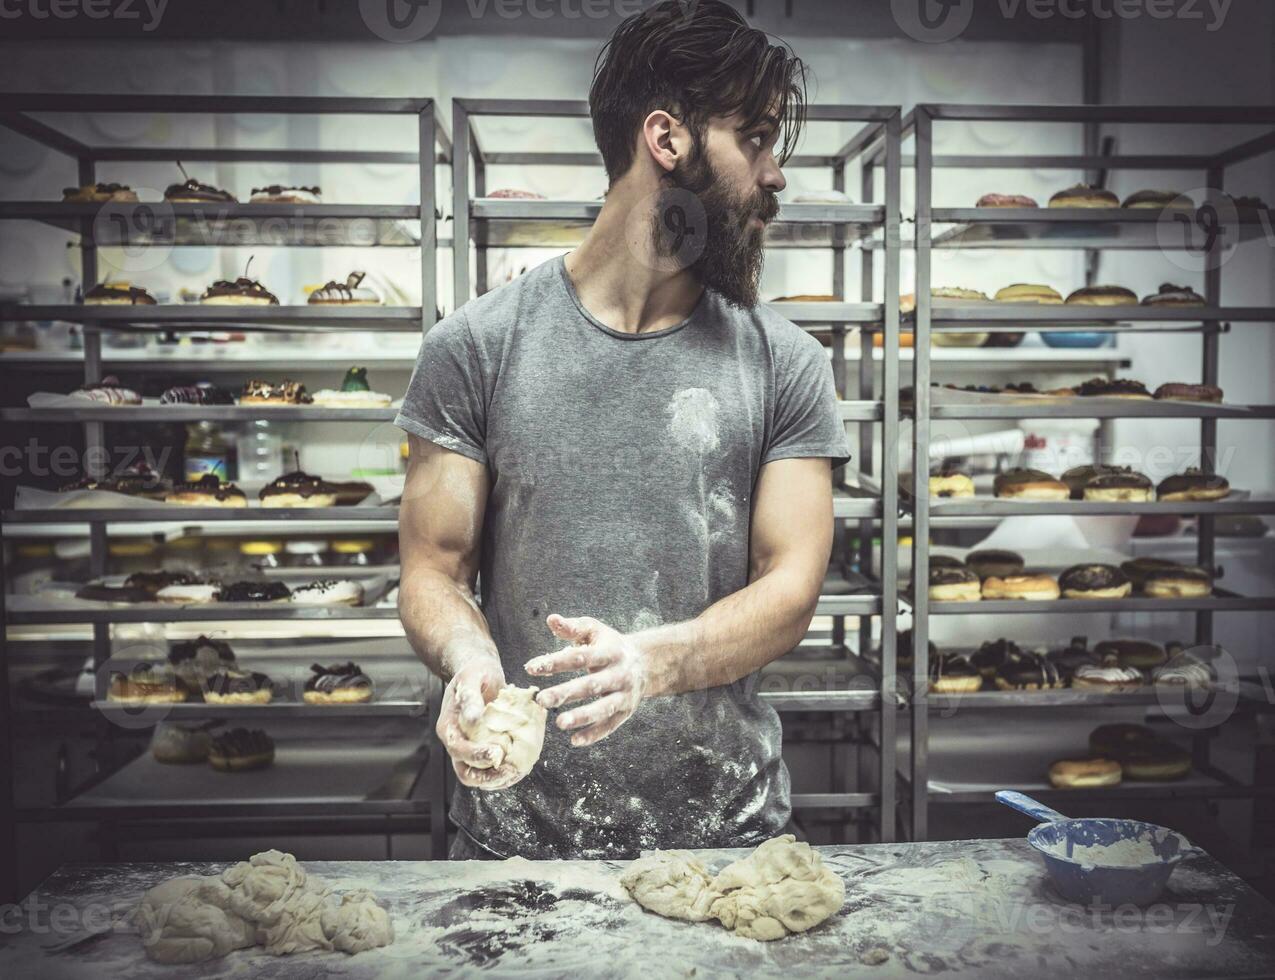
(1094, 582)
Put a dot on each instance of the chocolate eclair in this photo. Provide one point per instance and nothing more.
(993, 655)
(1194, 484)
(118, 294)
(1028, 672)
(298, 490)
(1118, 484)
(200, 393)
(241, 748)
(1113, 388)
(339, 684)
(207, 491)
(229, 686)
(954, 673)
(1094, 582)
(257, 392)
(255, 592)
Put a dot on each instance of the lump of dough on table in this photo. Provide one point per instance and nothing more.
(781, 888)
(358, 923)
(186, 920)
(515, 724)
(267, 884)
(673, 884)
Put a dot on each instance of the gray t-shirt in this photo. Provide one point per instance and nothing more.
(623, 468)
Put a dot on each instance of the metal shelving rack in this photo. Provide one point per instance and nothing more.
(1090, 231)
(269, 225)
(835, 228)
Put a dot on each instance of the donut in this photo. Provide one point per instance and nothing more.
(240, 749)
(1194, 484)
(1113, 388)
(958, 293)
(1108, 675)
(953, 673)
(108, 391)
(174, 744)
(348, 293)
(1159, 199)
(257, 392)
(1094, 581)
(1084, 773)
(281, 194)
(1078, 477)
(1084, 196)
(1182, 392)
(230, 686)
(1006, 201)
(207, 491)
(1139, 654)
(146, 684)
(192, 593)
(1185, 670)
(200, 393)
(1171, 295)
(954, 585)
(1114, 741)
(993, 561)
(193, 192)
(994, 654)
(1035, 588)
(298, 489)
(255, 592)
(328, 592)
(1026, 292)
(1076, 655)
(339, 684)
(951, 485)
(1139, 568)
(1028, 672)
(1155, 761)
(1184, 582)
(1122, 485)
(1102, 296)
(118, 294)
(195, 660)
(99, 193)
(1025, 484)
(945, 561)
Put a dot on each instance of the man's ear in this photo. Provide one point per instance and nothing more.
(665, 139)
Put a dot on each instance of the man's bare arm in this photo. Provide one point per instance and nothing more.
(789, 548)
(439, 538)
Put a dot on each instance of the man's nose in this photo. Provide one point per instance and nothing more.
(773, 178)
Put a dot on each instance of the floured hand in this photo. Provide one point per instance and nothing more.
(466, 695)
(616, 678)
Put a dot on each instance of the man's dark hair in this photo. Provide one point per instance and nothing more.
(695, 59)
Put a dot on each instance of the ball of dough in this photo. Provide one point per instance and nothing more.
(263, 886)
(358, 923)
(186, 920)
(515, 724)
(673, 884)
(781, 888)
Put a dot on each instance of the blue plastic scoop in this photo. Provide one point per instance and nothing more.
(1097, 859)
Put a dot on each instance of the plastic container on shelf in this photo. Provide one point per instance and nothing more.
(353, 551)
(1076, 339)
(305, 553)
(262, 553)
(260, 450)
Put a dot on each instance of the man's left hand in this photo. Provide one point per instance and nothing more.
(616, 678)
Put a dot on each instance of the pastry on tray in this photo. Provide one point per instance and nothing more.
(1171, 295)
(100, 193)
(257, 392)
(994, 654)
(348, 293)
(1139, 568)
(194, 661)
(193, 192)
(298, 489)
(951, 484)
(328, 592)
(1028, 292)
(108, 391)
(271, 591)
(353, 393)
(1107, 675)
(1028, 672)
(189, 593)
(1140, 654)
(1113, 388)
(954, 673)
(1184, 670)
(1182, 392)
(176, 744)
(514, 194)
(958, 584)
(156, 581)
(118, 294)
(993, 561)
(1084, 773)
(200, 393)
(1006, 201)
(1183, 582)
(228, 685)
(1094, 581)
(283, 194)
(136, 480)
(1028, 484)
(146, 683)
(1194, 484)
(1084, 196)
(339, 684)
(1029, 586)
(1120, 484)
(1103, 296)
(241, 749)
(242, 292)
(207, 491)
(1158, 200)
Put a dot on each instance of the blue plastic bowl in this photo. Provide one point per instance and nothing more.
(1073, 338)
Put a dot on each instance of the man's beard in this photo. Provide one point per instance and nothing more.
(729, 251)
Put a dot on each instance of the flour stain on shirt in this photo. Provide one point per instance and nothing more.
(692, 420)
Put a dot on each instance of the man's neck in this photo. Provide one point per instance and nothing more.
(619, 277)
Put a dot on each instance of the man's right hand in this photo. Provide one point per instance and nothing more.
(466, 695)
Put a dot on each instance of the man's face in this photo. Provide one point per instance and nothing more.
(735, 177)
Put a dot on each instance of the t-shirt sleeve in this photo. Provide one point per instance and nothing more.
(807, 420)
(445, 403)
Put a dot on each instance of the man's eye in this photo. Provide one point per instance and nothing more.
(758, 140)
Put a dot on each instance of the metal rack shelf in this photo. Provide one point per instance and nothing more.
(1085, 228)
(1138, 604)
(194, 316)
(125, 414)
(996, 507)
(1085, 408)
(1071, 697)
(981, 317)
(178, 514)
(191, 711)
